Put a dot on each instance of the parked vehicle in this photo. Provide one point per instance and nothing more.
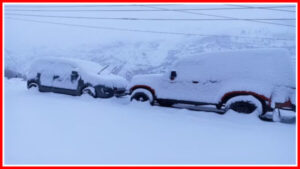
(244, 81)
(74, 77)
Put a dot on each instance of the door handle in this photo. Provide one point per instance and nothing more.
(195, 82)
(55, 77)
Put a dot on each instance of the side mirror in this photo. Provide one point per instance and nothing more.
(74, 76)
(173, 75)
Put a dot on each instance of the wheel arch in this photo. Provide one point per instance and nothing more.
(263, 99)
(32, 81)
(142, 87)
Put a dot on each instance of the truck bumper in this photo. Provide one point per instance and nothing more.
(279, 115)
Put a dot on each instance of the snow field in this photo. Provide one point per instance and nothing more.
(48, 128)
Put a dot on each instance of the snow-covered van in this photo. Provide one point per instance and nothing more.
(74, 77)
(243, 81)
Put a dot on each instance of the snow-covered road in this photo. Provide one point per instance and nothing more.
(48, 128)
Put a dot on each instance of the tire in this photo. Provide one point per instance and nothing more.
(32, 85)
(243, 107)
(244, 104)
(89, 90)
(142, 95)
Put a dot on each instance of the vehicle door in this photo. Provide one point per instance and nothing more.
(175, 87)
(65, 77)
(46, 75)
(187, 86)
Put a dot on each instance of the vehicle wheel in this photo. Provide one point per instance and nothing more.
(142, 95)
(105, 92)
(244, 104)
(33, 85)
(89, 90)
(243, 107)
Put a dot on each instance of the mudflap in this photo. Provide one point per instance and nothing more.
(279, 115)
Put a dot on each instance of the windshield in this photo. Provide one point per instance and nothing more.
(102, 69)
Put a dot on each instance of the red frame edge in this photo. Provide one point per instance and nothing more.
(140, 1)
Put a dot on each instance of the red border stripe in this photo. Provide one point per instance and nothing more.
(135, 1)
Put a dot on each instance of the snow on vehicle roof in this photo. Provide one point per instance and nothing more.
(75, 63)
(268, 65)
(89, 71)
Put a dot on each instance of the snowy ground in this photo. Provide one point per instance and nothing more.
(48, 128)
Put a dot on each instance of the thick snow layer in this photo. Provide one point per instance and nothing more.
(89, 72)
(282, 94)
(268, 65)
(48, 128)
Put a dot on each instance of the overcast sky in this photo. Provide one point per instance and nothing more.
(28, 31)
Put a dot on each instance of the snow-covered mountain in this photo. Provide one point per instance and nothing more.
(131, 58)
(129, 52)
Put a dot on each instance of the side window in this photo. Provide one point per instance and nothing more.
(62, 72)
(55, 77)
(46, 78)
(74, 76)
(173, 75)
(38, 75)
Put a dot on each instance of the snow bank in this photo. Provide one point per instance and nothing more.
(47, 128)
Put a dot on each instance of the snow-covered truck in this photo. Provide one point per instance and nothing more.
(74, 77)
(245, 81)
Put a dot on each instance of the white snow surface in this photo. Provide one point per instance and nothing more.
(48, 128)
(273, 66)
(88, 71)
